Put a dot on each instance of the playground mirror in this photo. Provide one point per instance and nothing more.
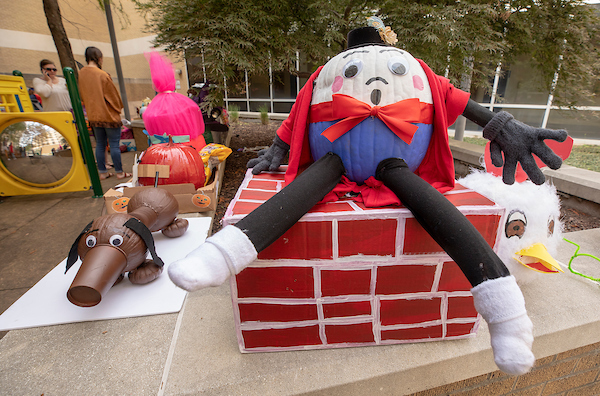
(35, 153)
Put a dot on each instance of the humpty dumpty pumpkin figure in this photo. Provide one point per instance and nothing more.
(372, 124)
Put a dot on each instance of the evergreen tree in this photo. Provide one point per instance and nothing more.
(464, 39)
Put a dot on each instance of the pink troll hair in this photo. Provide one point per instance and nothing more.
(170, 112)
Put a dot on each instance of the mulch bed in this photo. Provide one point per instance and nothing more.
(248, 136)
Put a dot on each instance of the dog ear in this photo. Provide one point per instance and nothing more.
(140, 228)
(73, 252)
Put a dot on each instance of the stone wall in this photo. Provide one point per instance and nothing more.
(571, 373)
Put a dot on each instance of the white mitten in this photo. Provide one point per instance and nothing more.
(502, 305)
(226, 253)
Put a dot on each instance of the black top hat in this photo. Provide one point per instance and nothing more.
(364, 36)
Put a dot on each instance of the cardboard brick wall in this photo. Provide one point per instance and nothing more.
(346, 275)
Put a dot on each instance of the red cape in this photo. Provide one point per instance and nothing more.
(437, 167)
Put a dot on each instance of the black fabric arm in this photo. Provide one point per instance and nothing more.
(477, 113)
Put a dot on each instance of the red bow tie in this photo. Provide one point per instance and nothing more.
(350, 111)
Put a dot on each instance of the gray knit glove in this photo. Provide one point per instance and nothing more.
(518, 142)
(269, 159)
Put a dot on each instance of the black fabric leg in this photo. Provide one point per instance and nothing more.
(443, 221)
(265, 224)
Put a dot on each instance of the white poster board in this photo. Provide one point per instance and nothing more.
(46, 302)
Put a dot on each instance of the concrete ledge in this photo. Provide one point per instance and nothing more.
(196, 352)
(252, 115)
(577, 182)
(579, 188)
(466, 152)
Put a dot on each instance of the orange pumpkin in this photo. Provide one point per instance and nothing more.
(185, 164)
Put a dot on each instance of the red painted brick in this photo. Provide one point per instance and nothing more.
(287, 282)
(306, 240)
(257, 195)
(409, 311)
(413, 333)
(277, 312)
(487, 226)
(292, 336)
(338, 282)
(353, 308)
(262, 185)
(458, 329)
(453, 279)
(243, 208)
(461, 307)
(332, 207)
(469, 198)
(418, 241)
(269, 176)
(397, 279)
(360, 332)
(367, 237)
(459, 187)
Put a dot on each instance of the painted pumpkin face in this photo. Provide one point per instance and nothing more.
(119, 205)
(362, 72)
(201, 200)
(377, 77)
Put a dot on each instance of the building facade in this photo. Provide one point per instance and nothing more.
(25, 40)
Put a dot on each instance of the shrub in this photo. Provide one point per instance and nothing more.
(264, 114)
(234, 113)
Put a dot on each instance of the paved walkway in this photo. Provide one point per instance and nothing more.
(37, 231)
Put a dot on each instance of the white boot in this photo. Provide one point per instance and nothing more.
(226, 253)
(502, 305)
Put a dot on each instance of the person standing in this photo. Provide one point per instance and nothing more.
(11, 151)
(103, 107)
(51, 88)
(36, 100)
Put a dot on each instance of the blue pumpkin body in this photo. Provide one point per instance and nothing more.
(363, 147)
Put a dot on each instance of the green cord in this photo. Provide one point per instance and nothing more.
(576, 254)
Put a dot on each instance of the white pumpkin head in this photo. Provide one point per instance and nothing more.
(375, 74)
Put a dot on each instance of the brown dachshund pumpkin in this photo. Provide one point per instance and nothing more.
(115, 244)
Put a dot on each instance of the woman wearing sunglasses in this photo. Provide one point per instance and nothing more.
(51, 88)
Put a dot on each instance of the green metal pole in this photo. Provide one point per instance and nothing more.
(84, 137)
